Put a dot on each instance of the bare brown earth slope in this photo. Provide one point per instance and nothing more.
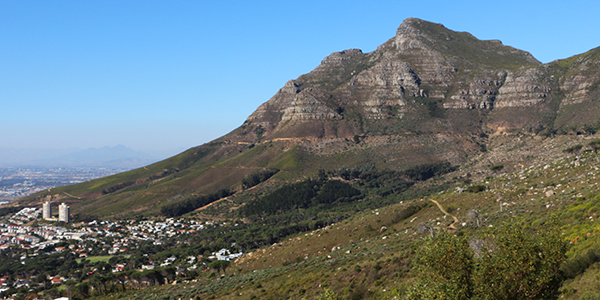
(429, 94)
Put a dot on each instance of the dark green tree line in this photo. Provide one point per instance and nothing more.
(190, 204)
(304, 194)
(258, 177)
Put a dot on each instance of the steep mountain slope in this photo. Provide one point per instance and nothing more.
(429, 94)
(371, 255)
(577, 79)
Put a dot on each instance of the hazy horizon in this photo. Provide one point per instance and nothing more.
(174, 75)
(114, 157)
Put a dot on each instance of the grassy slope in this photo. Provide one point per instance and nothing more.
(376, 247)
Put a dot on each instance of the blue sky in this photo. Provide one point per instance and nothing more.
(175, 74)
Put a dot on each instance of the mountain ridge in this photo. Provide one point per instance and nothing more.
(428, 94)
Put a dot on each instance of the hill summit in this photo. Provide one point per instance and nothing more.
(427, 95)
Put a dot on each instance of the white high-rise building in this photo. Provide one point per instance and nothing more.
(46, 210)
(63, 213)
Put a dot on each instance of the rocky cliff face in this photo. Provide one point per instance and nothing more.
(580, 79)
(424, 68)
(428, 67)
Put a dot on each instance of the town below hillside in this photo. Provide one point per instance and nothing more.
(23, 181)
(97, 251)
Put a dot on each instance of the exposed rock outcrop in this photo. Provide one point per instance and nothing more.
(307, 106)
(523, 89)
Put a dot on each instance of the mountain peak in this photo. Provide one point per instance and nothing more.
(416, 34)
(409, 35)
(412, 24)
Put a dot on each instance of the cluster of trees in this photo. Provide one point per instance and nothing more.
(219, 265)
(117, 187)
(307, 205)
(505, 263)
(384, 183)
(380, 181)
(387, 182)
(190, 204)
(6, 210)
(477, 188)
(426, 171)
(304, 194)
(162, 174)
(258, 177)
(355, 172)
(417, 173)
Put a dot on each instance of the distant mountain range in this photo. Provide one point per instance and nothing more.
(106, 157)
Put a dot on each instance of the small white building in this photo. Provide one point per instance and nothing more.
(224, 254)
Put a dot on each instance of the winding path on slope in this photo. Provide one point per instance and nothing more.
(215, 202)
(72, 196)
(446, 213)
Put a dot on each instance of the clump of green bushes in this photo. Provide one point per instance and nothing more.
(190, 204)
(258, 177)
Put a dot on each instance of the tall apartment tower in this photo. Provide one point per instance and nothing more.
(46, 210)
(63, 213)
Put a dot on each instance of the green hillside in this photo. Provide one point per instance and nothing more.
(376, 253)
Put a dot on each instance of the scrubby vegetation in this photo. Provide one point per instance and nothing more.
(504, 263)
(574, 149)
(192, 203)
(258, 177)
(497, 168)
(426, 171)
(302, 195)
